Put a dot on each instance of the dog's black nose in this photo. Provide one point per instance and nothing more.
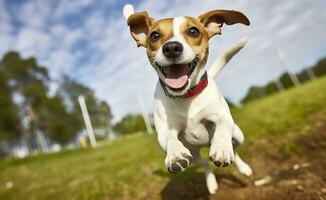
(172, 49)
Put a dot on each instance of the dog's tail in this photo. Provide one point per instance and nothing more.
(225, 57)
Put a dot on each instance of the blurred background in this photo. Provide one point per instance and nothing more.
(76, 101)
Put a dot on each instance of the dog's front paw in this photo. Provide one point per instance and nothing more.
(178, 160)
(221, 154)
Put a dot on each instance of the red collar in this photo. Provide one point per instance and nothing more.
(192, 91)
(198, 88)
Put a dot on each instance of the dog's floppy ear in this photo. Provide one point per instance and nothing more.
(139, 24)
(213, 20)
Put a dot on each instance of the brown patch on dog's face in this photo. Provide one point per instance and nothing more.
(198, 43)
(164, 28)
(196, 36)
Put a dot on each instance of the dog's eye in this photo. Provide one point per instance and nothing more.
(193, 32)
(155, 36)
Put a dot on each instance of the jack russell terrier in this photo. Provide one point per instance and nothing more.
(189, 109)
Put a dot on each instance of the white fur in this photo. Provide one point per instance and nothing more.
(187, 55)
(242, 166)
(173, 116)
(128, 10)
(190, 116)
(226, 56)
(211, 182)
(186, 115)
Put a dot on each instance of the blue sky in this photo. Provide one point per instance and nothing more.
(89, 41)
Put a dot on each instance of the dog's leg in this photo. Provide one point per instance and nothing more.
(243, 167)
(238, 139)
(221, 149)
(178, 157)
(211, 182)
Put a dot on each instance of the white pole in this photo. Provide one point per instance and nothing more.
(144, 113)
(310, 73)
(315, 24)
(282, 58)
(87, 120)
(279, 85)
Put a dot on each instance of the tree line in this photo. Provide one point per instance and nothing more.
(29, 113)
(131, 123)
(255, 92)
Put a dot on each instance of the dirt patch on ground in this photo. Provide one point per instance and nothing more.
(296, 178)
(299, 177)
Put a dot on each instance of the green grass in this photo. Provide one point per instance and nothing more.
(132, 165)
(115, 169)
(271, 117)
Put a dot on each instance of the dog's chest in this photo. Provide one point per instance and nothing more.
(197, 132)
(190, 117)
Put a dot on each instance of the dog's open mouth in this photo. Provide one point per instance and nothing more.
(176, 75)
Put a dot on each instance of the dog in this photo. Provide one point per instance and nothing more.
(189, 110)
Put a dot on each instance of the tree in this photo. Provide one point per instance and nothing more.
(56, 122)
(320, 67)
(101, 117)
(45, 114)
(255, 92)
(28, 79)
(99, 111)
(286, 80)
(10, 127)
(57, 117)
(130, 124)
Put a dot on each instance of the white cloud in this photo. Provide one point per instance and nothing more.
(72, 38)
(69, 7)
(288, 30)
(6, 29)
(34, 13)
(32, 41)
(61, 60)
(4, 15)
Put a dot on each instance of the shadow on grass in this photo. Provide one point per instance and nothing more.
(191, 185)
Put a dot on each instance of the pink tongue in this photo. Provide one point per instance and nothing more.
(176, 82)
(176, 76)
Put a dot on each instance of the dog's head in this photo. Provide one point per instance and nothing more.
(177, 47)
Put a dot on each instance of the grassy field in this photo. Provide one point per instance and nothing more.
(279, 129)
